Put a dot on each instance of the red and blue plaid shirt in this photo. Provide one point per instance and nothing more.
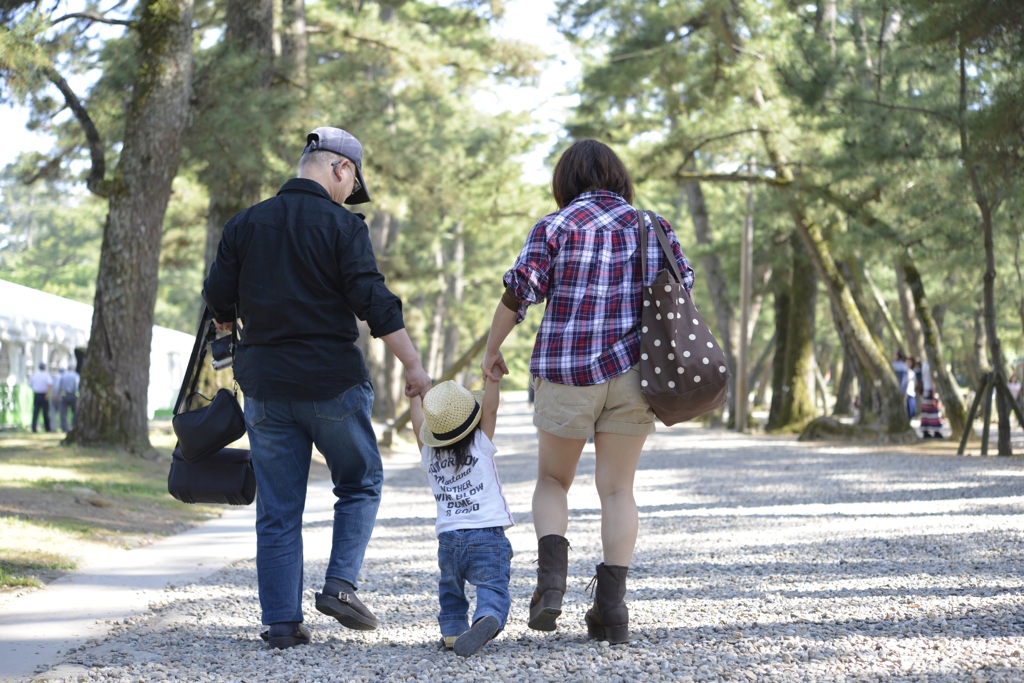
(584, 261)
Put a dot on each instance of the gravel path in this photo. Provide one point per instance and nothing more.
(759, 559)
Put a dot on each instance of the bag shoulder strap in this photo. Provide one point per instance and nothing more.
(662, 240)
(665, 246)
(195, 360)
(642, 245)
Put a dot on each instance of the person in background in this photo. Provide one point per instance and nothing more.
(67, 393)
(54, 406)
(42, 388)
(910, 387)
(931, 412)
(899, 366)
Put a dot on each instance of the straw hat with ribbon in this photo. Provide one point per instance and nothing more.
(450, 412)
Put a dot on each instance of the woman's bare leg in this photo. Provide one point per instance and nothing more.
(617, 459)
(556, 468)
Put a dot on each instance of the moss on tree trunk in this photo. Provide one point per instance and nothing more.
(797, 405)
(115, 376)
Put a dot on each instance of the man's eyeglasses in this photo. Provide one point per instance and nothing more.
(355, 179)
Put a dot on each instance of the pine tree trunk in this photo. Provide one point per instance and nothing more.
(979, 357)
(851, 368)
(380, 361)
(985, 207)
(875, 367)
(115, 377)
(1020, 277)
(893, 418)
(869, 402)
(798, 373)
(781, 291)
(952, 402)
(249, 34)
(435, 335)
(717, 283)
(456, 285)
(912, 330)
(758, 374)
(852, 272)
(294, 46)
(844, 390)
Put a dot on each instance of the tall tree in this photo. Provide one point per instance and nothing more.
(115, 378)
(234, 116)
(797, 407)
(943, 380)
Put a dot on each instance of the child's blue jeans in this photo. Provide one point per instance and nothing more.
(483, 557)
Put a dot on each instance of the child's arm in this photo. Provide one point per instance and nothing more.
(489, 409)
(416, 416)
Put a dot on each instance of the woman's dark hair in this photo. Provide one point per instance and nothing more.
(586, 166)
(460, 450)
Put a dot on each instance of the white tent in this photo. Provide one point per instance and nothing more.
(36, 327)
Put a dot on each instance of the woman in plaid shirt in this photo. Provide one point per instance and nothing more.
(584, 261)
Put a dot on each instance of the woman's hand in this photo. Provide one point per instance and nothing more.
(493, 365)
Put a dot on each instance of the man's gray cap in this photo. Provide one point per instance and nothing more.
(341, 142)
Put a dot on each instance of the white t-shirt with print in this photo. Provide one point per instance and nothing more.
(470, 498)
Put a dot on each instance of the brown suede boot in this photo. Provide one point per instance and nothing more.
(608, 619)
(552, 566)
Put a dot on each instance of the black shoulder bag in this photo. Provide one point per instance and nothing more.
(203, 469)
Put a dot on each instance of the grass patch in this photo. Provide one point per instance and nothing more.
(58, 503)
(20, 568)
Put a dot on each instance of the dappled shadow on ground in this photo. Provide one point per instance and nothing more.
(758, 559)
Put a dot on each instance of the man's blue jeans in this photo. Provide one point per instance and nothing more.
(483, 557)
(281, 436)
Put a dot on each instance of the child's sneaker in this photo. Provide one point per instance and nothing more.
(470, 642)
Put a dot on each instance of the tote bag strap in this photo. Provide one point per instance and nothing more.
(665, 246)
(642, 246)
(662, 240)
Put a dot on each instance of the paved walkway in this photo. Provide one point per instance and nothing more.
(759, 559)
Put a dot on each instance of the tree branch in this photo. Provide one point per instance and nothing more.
(894, 107)
(94, 181)
(858, 207)
(715, 138)
(732, 178)
(47, 168)
(695, 24)
(94, 16)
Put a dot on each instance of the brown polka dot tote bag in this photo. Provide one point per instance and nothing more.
(683, 373)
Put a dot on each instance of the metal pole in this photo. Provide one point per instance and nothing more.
(746, 265)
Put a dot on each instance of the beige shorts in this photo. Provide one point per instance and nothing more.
(616, 406)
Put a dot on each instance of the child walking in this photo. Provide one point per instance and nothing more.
(454, 429)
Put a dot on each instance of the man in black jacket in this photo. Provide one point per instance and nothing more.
(299, 269)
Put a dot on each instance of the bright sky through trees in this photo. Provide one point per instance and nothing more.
(524, 20)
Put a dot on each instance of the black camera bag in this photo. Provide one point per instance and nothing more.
(225, 477)
(204, 431)
(202, 469)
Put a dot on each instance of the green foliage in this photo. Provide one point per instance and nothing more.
(50, 237)
(181, 257)
(400, 76)
(864, 109)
